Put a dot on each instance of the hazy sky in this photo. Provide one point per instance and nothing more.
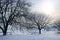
(49, 7)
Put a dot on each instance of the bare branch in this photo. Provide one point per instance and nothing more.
(1, 28)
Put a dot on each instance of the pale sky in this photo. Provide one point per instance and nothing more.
(49, 7)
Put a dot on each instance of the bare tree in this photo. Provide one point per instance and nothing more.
(40, 20)
(10, 10)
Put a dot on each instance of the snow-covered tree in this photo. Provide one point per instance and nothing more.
(10, 11)
(57, 24)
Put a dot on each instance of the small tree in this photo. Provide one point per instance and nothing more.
(57, 24)
(10, 10)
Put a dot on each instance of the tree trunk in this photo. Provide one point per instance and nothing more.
(39, 31)
(4, 32)
(39, 28)
(5, 29)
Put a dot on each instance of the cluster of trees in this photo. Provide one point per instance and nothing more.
(12, 11)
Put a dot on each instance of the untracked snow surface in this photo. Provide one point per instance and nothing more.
(43, 36)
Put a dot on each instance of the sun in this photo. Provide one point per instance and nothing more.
(47, 8)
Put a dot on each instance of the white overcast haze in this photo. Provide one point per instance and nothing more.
(50, 7)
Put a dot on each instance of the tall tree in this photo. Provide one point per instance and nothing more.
(10, 10)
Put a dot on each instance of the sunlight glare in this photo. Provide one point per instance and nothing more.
(47, 8)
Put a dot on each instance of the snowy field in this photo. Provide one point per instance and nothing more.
(43, 36)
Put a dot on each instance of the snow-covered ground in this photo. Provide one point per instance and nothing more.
(44, 36)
